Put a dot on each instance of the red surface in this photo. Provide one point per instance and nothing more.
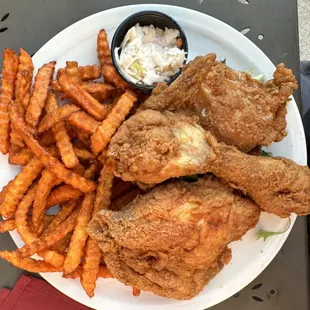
(30, 293)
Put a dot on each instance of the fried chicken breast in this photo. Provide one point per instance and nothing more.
(234, 107)
(173, 240)
(153, 146)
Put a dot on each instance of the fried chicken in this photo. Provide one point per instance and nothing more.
(234, 107)
(173, 240)
(153, 146)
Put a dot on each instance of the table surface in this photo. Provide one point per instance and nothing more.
(272, 26)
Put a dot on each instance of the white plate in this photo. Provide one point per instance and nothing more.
(205, 34)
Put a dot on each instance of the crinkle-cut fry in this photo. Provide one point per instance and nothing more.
(39, 95)
(83, 99)
(67, 152)
(135, 291)
(84, 139)
(103, 273)
(61, 194)
(19, 186)
(47, 181)
(7, 90)
(28, 264)
(103, 49)
(21, 157)
(84, 154)
(25, 65)
(47, 159)
(92, 170)
(62, 245)
(79, 237)
(79, 169)
(64, 212)
(103, 156)
(47, 240)
(104, 188)
(56, 116)
(84, 122)
(15, 138)
(71, 130)
(72, 69)
(23, 229)
(7, 225)
(101, 90)
(27, 235)
(108, 127)
(91, 266)
(62, 138)
(47, 138)
(107, 69)
(22, 87)
(111, 76)
(89, 72)
(56, 87)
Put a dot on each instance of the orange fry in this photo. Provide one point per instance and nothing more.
(103, 273)
(84, 139)
(28, 264)
(102, 90)
(135, 291)
(47, 240)
(62, 138)
(9, 72)
(46, 183)
(50, 162)
(47, 138)
(78, 239)
(19, 186)
(83, 121)
(107, 69)
(67, 152)
(39, 95)
(56, 116)
(72, 70)
(104, 188)
(25, 65)
(21, 157)
(84, 154)
(7, 225)
(90, 72)
(26, 233)
(61, 194)
(65, 211)
(104, 133)
(91, 266)
(73, 90)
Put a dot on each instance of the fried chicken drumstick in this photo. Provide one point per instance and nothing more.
(151, 147)
(234, 107)
(173, 240)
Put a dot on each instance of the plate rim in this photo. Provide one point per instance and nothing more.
(161, 7)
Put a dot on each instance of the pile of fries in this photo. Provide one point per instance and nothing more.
(58, 131)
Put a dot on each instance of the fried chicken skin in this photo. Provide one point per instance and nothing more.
(153, 146)
(278, 185)
(173, 240)
(234, 107)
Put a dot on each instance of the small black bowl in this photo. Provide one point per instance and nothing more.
(145, 18)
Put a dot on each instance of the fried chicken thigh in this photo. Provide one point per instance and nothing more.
(152, 147)
(173, 240)
(234, 107)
